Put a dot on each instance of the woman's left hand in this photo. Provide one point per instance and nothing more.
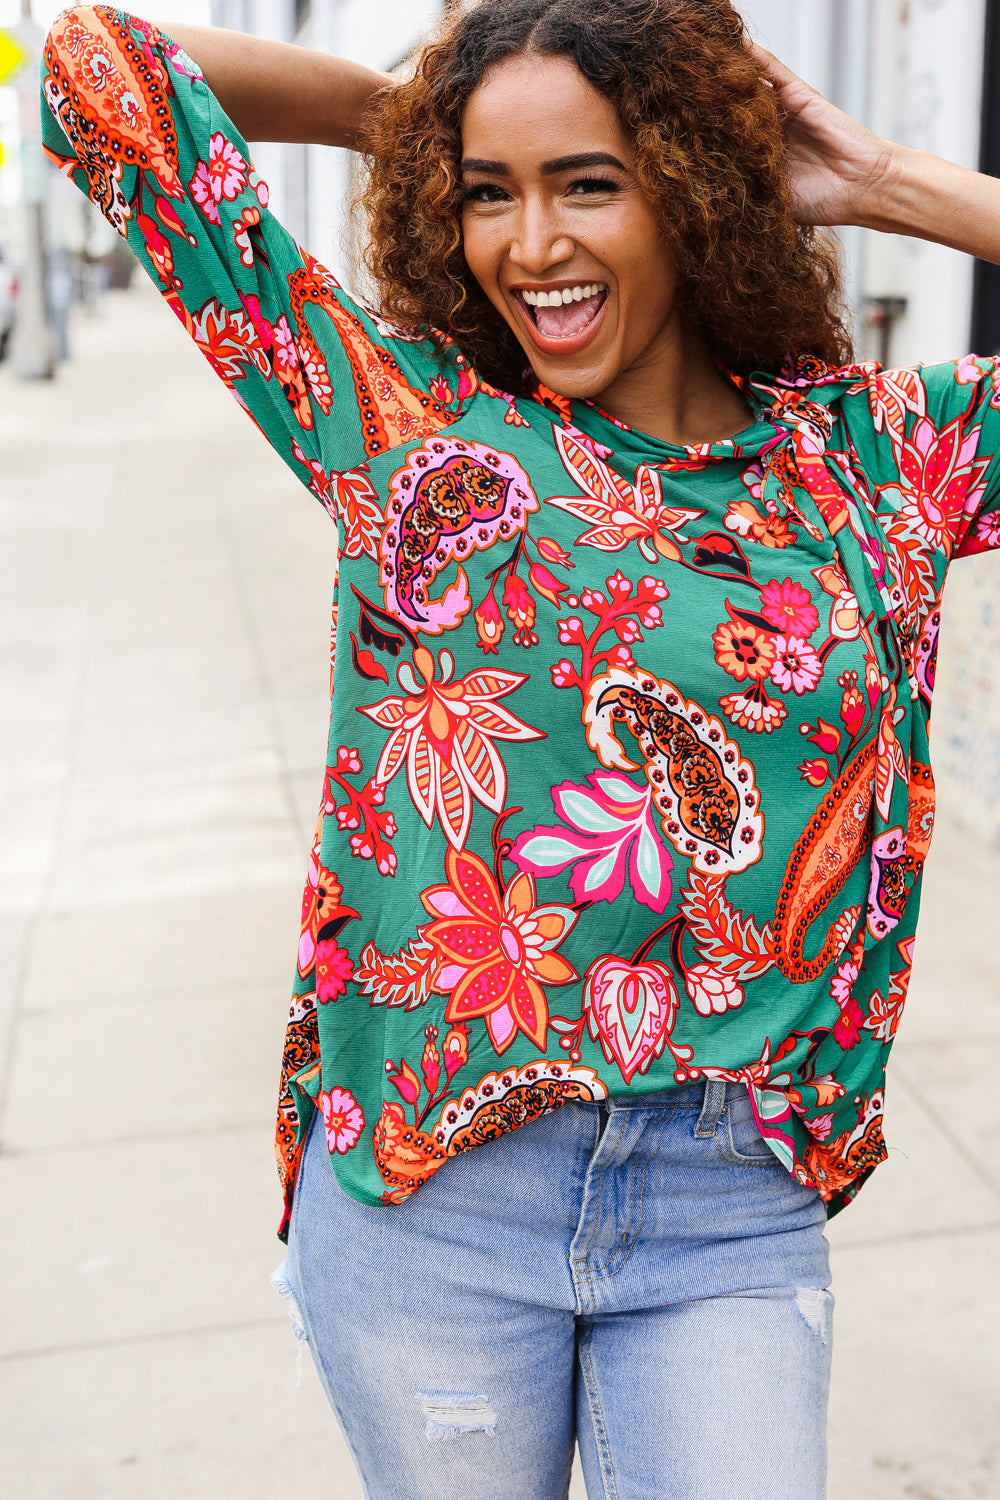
(837, 167)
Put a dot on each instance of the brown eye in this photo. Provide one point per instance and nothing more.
(585, 185)
(483, 192)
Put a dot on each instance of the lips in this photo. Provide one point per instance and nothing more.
(565, 328)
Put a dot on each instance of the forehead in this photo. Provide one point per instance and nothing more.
(526, 104)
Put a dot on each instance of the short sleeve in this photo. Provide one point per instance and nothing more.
(129, 118)
(969, 393)
(938, 432)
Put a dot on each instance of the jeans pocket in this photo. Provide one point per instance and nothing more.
(739, 1138)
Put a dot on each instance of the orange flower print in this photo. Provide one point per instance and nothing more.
(443, 732)
(845, 616)
(770, 529)
(619, 512)
(520, 606)
(497, 950)
(323, 916)
(743, 650)
(853, 707)
(489, 624)
(405, 1155)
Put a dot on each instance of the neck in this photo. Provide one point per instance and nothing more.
(676, 393)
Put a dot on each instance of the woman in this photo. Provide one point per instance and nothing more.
(618, 861)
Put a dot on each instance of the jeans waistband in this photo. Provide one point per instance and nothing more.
(685, 1096)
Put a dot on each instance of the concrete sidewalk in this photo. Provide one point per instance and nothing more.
(165, 606)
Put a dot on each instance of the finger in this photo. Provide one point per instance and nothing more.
(773, 69)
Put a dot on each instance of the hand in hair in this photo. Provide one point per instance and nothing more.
(842, 173)
(837, 167)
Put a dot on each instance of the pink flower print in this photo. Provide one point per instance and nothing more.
(343, 1119)
(988, 529)
(796, 667)
(553, 553)
(968, 371)
(842, 984)
(497, 949)
(847, 1028)
(227, 169)
(284, 343)
(262, 328)
(181, 62)
(547, 584)
(200, 188)
(819, 1126)
(404, 1079)
(941, 476)
(788, 607)
(631, 1009)
(333, 969)
(814, 771)
(611, 832)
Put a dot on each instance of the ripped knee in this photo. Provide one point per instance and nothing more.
(452, 1414)
(815, 1306)
(282, 1283)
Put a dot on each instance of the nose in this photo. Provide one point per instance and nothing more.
(540, 240)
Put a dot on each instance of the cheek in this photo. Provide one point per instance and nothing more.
(479, 249)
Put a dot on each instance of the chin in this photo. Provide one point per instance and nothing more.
(580, 385)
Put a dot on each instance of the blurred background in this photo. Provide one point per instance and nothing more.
(164, 608)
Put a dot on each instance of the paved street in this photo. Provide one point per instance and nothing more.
(164, 605)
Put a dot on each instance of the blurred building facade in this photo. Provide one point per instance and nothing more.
(310, 184)
(912, 69)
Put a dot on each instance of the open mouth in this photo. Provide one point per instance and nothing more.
(565, 315)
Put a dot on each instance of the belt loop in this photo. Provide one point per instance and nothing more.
(715, 1103)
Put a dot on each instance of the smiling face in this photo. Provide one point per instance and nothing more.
(558, 233)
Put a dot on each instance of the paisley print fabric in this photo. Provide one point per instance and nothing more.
(628, 782)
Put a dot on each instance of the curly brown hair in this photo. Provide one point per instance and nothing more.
(709, 154)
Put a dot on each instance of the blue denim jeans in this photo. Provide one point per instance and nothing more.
(642, 1276)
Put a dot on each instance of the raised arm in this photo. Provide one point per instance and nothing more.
(842, 173)
(275, 92)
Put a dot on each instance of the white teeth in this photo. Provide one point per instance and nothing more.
(561, 296)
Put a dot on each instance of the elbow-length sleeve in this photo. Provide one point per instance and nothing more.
(938, 464)
(129, 117)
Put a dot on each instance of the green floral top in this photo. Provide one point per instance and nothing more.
(628, 779)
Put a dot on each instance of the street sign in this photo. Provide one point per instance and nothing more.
(12, 55)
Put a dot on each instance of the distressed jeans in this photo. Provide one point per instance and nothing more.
(640, 1276)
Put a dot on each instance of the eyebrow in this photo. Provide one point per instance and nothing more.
(548, 168)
